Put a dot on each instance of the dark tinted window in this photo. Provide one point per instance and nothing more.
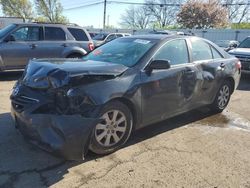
(78, 34)
(54, 33)
(119, 35)
(174, 51)
(200, 50)
(28, 33)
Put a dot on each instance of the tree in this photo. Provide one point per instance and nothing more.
(17, 8)
(163, 11)
(201, 15)
(237, 10)
(135, 18)
(50, 11)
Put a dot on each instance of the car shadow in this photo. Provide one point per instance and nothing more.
(10, 75)
(244, 82)
(33, 160)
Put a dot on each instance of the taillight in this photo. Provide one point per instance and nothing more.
(91, 46)
(238, 65)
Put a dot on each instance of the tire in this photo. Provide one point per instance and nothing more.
(76, 56)
(222, 97)
(114, 130)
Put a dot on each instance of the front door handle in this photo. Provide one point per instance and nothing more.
(64, 45)
(33, 46)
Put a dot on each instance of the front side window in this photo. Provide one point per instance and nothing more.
(54, 33)
(200, 50)
(27, 34)
(174, 51)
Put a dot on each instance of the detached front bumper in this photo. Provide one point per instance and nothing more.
(66, 135)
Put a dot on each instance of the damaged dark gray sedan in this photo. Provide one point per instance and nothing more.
(71, 106)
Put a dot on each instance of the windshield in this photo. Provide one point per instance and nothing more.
(6, 29)
(100, 36)
(125, 51)
(245, 43)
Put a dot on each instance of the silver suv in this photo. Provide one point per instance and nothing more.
(23, 41)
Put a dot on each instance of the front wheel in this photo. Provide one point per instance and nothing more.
(113, 130)
(222, 98)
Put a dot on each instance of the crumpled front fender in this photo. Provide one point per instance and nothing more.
(67, 135)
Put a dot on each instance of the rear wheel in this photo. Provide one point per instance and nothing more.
(113, 130)
(222, 97)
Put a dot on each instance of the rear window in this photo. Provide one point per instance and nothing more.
(54, 33)
(78, 34)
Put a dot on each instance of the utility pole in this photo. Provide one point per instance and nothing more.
(104, 14)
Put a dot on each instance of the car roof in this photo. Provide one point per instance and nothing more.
(49, 24)
(157, 36)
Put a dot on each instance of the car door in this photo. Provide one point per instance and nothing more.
(210, 64)
(166, 93)
(22, 46)
(54, 43)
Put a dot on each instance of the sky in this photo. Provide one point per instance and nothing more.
(93, 15)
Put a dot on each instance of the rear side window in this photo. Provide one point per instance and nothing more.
(54, 33)
(216, 54)
(201, 50)
(78, 34)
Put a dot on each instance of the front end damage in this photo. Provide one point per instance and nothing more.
(52, 110)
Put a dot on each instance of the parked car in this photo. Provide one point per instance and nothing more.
(23, 41)
(70, 106)
(242, 52)
(164, 32)
(93, 34)
(227, 45)
(103, 38)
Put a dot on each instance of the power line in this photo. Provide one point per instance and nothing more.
(145, 4)
(84, 6)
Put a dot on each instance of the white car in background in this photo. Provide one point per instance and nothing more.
(103, 38)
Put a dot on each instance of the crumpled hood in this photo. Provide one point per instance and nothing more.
(240, 51)
(45, 73)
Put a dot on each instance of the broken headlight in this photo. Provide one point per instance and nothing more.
(79, 102)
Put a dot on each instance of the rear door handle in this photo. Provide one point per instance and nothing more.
(33, 46)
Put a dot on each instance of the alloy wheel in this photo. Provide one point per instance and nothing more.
(224, 95)
(111, 129)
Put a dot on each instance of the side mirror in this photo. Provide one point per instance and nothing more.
(157, 64)
(10, 38)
